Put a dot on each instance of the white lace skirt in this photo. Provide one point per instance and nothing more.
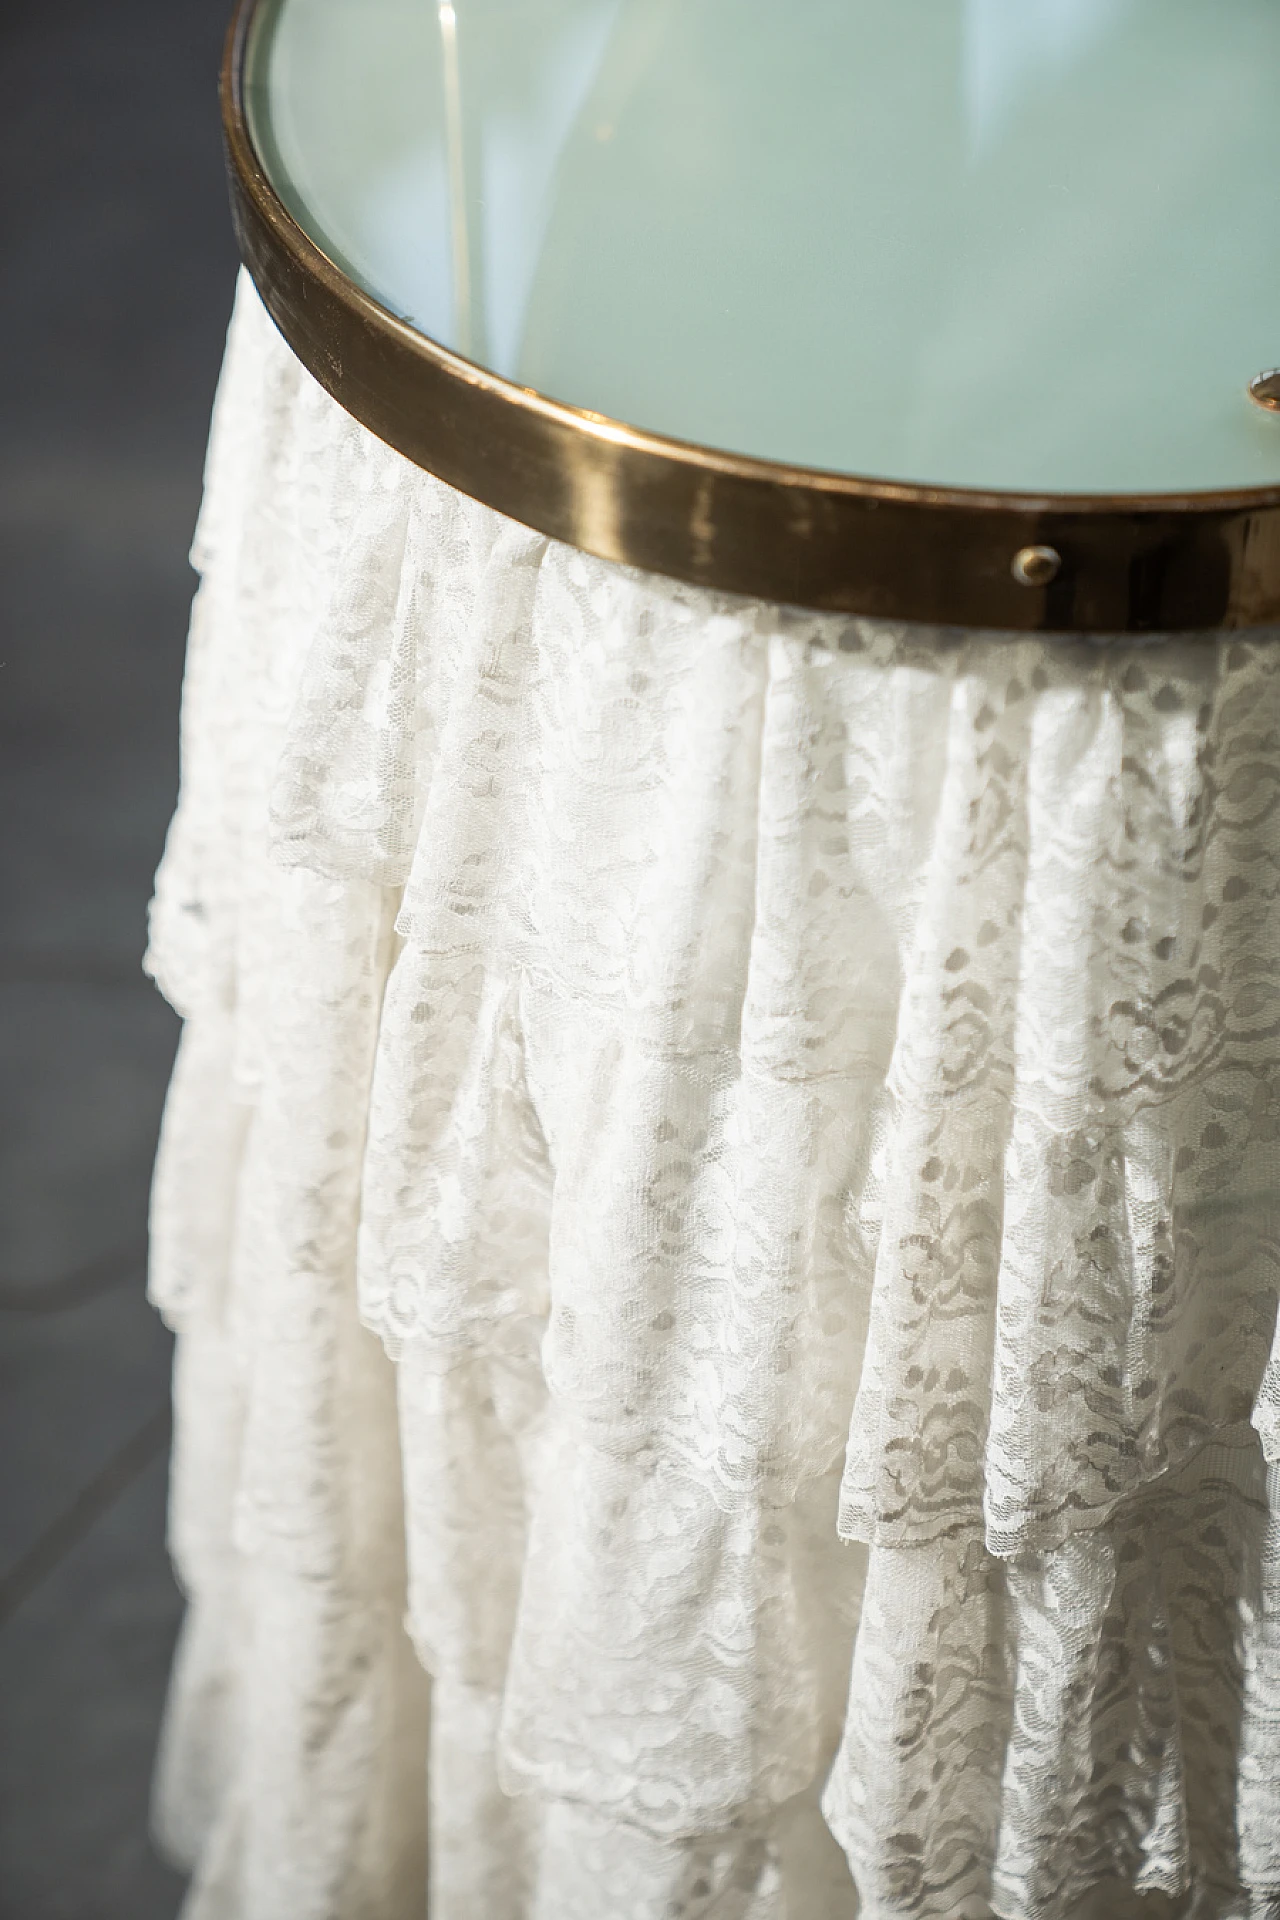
(721, 1206)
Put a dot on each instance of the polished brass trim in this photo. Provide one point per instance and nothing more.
(1264, 389)
(1129, 564)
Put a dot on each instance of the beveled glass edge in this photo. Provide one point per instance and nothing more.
(944, 556)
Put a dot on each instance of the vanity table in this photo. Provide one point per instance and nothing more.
(720, 1198)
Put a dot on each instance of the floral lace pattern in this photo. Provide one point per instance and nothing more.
(721, 1200)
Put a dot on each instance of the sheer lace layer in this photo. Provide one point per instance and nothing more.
(719, 1199)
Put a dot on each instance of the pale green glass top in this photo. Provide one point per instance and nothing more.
(1027, 244)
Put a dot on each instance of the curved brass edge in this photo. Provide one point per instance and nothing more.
(1176, 563)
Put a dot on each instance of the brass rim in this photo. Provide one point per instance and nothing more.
(1118, 564)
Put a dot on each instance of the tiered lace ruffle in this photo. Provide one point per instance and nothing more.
(797, 1101)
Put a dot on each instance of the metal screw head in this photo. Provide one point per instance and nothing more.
(1036, 566)
(1264, 390)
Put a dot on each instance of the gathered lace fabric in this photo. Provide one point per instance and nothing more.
(720, 1202)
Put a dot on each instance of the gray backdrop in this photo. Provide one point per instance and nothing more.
(115, 285)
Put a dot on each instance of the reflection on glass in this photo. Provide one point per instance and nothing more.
(1015, 48)
(469, 340)
(528, 68)
(536, 64)
(1012, 243)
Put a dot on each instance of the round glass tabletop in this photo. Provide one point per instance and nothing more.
(740, 290)
(1019, 244)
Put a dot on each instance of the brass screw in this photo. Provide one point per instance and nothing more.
(1036, 566)
(1264, 390)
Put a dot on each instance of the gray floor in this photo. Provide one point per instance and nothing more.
(116, 285)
